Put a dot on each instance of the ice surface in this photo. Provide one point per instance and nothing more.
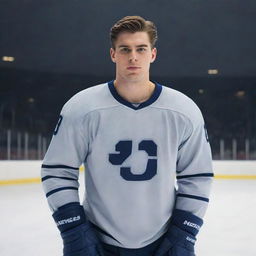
(27, 227)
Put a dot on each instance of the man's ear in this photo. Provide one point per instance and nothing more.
(113, 55)
(154, 53)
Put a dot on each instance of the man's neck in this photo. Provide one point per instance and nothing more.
(135, 92)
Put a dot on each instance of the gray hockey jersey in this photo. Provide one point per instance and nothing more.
(141, 161)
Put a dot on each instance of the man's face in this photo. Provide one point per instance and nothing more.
(133, 55)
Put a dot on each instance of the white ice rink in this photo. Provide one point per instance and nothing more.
(229, 230)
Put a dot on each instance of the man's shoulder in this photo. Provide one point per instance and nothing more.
(85, 96)
(89, 99)
(179, 103)
(177, 97)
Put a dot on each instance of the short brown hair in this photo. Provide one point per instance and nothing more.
(134, 24)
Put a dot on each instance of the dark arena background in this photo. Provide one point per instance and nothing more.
(50, 50)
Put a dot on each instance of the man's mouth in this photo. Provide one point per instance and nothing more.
(133, 68)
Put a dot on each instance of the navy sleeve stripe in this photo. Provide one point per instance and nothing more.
(195, 175)
(59, 166)
(59, 189)
(50, 177)
(194, 197)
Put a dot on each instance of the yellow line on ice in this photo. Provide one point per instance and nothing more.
(235, 177)
(19, 181)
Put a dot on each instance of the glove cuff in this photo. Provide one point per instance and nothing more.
(69, 216)
(186, 221)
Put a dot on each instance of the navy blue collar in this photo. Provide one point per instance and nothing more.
(152, 99)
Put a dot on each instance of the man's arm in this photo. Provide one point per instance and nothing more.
(60, 172)
(194, 178)
(60, 168)
(194, 171)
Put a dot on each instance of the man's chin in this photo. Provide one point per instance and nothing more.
(134, 77)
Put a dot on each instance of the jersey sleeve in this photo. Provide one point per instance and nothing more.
(194, 168)
(66, 152)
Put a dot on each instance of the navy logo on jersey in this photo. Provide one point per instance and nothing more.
(124, 149)
(58, 125)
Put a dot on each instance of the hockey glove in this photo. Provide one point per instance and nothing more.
(77, 233)
(181, 235)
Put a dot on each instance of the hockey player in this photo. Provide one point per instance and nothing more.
(137, 139)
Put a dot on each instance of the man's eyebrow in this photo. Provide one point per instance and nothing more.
(141, 45)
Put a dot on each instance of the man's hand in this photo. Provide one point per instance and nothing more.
(180, 238)
(79, 238)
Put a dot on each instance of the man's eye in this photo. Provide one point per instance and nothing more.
(141, 49)
(125, 50)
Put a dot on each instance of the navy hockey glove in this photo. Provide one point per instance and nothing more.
(181, 235)
(79, 238)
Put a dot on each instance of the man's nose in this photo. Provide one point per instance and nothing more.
(133, 56)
